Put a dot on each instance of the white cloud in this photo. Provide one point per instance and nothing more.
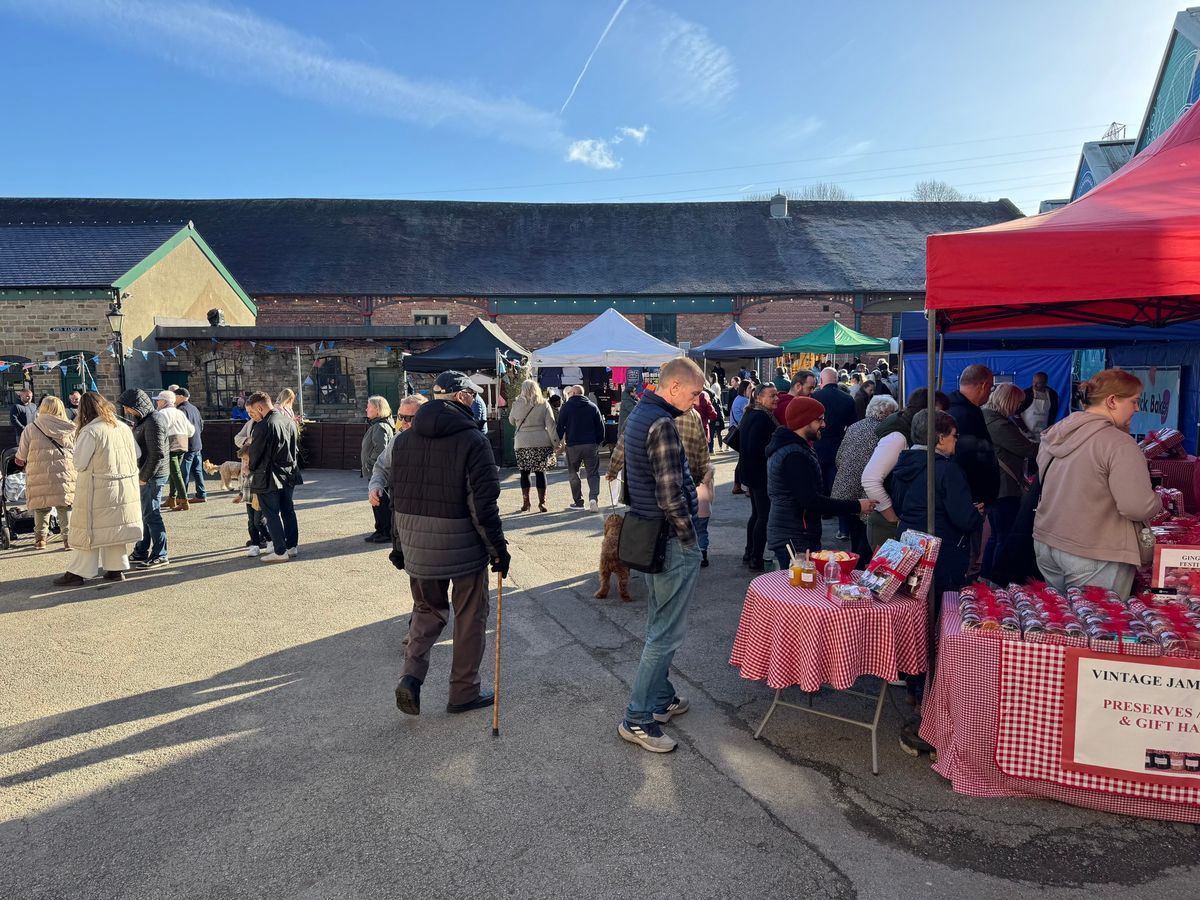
(854, 151)
(696, 70)
(637, 135)
(593, 153)
(239, 45)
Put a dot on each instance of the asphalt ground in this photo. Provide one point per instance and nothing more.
(224, 728)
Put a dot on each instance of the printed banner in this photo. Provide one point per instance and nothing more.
(1160, 399)
(1136, 718)
(1174, 566)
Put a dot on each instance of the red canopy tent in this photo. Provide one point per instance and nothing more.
(1125, 253)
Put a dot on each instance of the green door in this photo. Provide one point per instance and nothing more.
(385, 382)
(171, 376)
(73, 376)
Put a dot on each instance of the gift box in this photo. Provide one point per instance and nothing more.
(920, 583)
(1172, 501)
(1163, 442)
(850, 595)
(885, 573)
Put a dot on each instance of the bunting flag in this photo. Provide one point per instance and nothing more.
(330, 345)
(321, 346)
(308, 382)
(172, 352)
(184, 345)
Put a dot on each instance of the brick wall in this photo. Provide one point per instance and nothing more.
(354, 310)
(25, 331)
(779, 319)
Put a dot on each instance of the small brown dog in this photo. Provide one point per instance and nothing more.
(610, 563)
(228, 471)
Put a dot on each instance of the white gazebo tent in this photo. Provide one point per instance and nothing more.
(608, 340)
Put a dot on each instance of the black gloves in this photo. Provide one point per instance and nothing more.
(501, 561)
(397, 557)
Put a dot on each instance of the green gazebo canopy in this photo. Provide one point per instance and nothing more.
(834, 337)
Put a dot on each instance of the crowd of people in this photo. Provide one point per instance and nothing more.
(808, 452)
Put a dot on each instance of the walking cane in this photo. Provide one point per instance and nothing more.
(496, 687)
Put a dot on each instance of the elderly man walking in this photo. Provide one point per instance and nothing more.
(582, 427)
(179, 432)
(193, 459)
(445, 488)
(660, 487)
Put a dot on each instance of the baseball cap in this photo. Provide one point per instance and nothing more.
(165, 395)
(452, 382)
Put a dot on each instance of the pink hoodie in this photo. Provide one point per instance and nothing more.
(1096, 489)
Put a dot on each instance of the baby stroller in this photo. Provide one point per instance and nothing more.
(14, 517)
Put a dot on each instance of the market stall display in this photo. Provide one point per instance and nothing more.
(996, 712)
(793, 636)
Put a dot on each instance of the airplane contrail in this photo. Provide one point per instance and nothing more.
(583, 71)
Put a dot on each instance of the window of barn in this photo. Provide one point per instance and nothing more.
(222, 381)
(334, 380)
(13, 376)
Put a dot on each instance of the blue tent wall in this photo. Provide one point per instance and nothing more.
(1182, 354)
(1021, 364)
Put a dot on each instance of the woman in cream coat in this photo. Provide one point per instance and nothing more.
(107, 517)
(534, 438)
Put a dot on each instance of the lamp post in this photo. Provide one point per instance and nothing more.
(116, 321)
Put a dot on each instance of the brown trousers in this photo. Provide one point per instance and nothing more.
(430, 608)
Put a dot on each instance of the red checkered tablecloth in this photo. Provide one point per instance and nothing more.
(792, 636)
(989, 747)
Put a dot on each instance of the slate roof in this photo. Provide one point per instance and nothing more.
(440, 248)
(41, 256)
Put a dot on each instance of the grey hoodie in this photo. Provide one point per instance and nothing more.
(1095, 488)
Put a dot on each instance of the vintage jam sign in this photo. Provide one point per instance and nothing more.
(73, 329)
(1131, 717)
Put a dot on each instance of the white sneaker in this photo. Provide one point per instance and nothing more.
(594, 505)
(252, 551)
(273, 557)
(293, 552)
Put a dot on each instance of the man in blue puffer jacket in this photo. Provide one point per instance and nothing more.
(660, 487)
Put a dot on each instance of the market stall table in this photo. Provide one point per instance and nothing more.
(990, 748)
(795, 636)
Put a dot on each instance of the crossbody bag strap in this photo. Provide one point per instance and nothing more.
(57, 445)
(1021, 482)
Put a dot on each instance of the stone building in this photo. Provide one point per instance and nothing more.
(332, 368)
(59, 282)
(682, 271)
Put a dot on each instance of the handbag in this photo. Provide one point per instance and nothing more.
(733, 438)
(642, 542)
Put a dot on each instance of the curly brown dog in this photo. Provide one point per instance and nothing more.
(610, 563)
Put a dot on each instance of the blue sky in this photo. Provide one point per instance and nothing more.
(469, 100)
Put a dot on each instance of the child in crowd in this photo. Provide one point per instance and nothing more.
(255, 523)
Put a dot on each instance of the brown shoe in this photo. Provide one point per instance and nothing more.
(181, 505)
(199, 500)
(525, 499)
(114, 576)
(39, 543)
(68, 579)
(170, 504)
(541, 500)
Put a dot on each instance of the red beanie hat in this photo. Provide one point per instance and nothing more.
(801, 411)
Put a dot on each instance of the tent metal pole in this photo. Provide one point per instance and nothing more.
(941, 358)
(900, 373)
(930, 429)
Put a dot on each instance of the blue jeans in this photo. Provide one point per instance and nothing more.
(193, 467)
(668, 595)
(153, 544)
(280, 514)
(701, 525)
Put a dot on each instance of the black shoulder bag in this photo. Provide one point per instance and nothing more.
(642, 542)
(1017, 560)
